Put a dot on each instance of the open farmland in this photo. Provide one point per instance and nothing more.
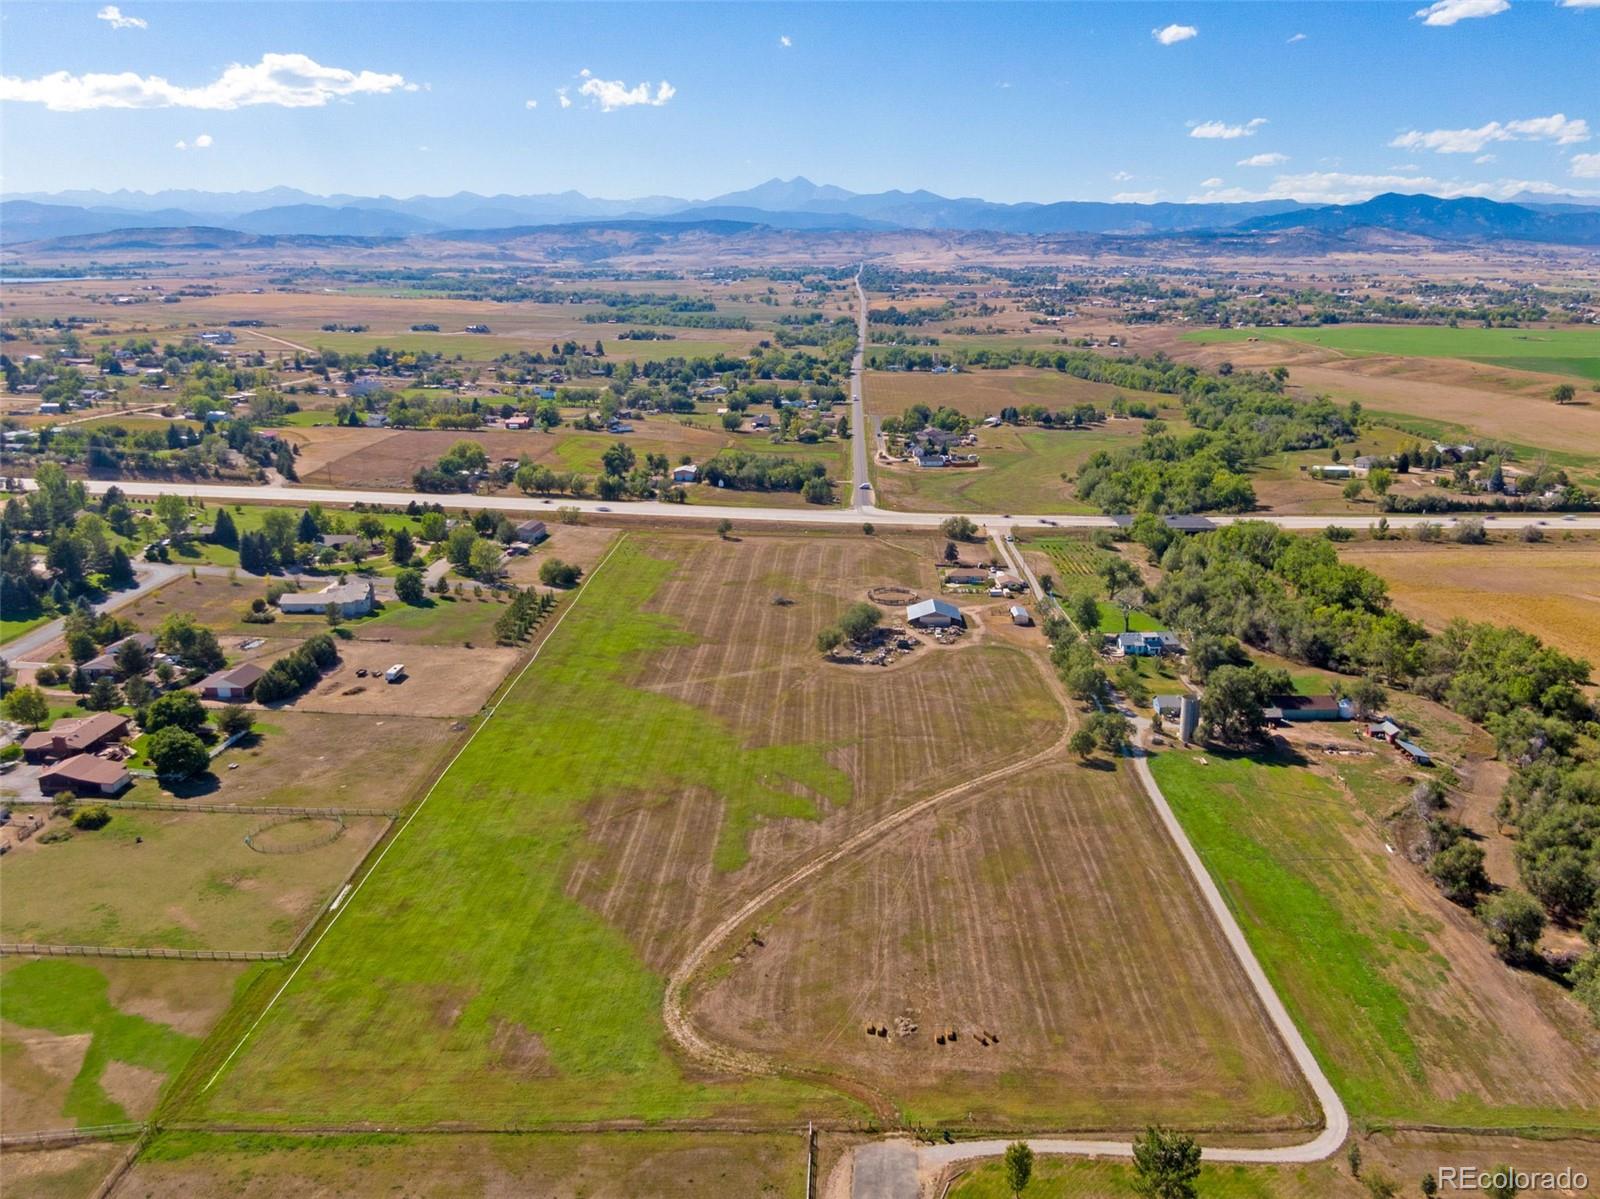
(677, 742)
(1395, 990)
(980, 393)
(1551, 590)
(1564, 351)
(92, 1040)
(1049, 911)
(180, 880)
(672, 1165)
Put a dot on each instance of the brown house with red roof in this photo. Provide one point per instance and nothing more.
(80, 735)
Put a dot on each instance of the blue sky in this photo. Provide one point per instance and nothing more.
(1010, 102)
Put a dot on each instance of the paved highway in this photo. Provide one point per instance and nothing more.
(817, 517)
(861, 495)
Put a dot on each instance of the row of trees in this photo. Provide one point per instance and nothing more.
(297, 670)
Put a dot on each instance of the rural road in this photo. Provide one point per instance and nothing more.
(149, 577)
(284, 493)
(861, 494)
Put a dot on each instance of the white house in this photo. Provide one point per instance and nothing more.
(687, 473)
(353, 598)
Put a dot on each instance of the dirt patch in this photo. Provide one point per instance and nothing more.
(440, 680)
(517, 1049)
(132, 1088)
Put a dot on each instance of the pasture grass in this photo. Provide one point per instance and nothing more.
(497, 995)
(1067, 1178)
(1356, 960)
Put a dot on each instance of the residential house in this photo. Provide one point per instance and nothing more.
(517, 422)
(966, 578)
(1147, 644)
(352, 598)
(687, 473)
(79, 735)
(934, 614)
(932, 460)
(232, 685)
(104, 666)
(1308, 707)
(82, 775)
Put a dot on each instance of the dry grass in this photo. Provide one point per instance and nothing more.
(1053, 912)
(981, 393)
(1551, 590)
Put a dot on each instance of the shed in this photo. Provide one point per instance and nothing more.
(532, 532)
(1019, 615)
(687, 473)
(1415, 752)
(232, 684)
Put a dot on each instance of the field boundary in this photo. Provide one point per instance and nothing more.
(158, 805)
(25, 949)
(348, 899)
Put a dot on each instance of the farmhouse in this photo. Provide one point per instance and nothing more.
(68, 738)
(353, 598)
(934, 614)
(532, 532)
(231, 685)
(84, 774)
(1308, 707)
(1147, 645)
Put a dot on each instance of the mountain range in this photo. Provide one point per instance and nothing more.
(793, 204)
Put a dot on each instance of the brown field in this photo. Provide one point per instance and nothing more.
(1551, 590)
(675, 1165)
(440, 681)
(1053, 912)
(309, 759)
(59, 1173)
(981, 393)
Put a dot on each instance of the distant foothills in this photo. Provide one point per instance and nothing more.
(793, 204)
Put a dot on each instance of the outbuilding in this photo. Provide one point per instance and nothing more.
(232, 685)
(1019, 615)
(934, 614)
(687, 473)
(532, 532)
(84, 775)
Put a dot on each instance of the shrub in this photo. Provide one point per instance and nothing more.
(553, 572)
(91, 818)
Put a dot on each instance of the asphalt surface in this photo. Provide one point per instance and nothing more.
(862, 497)
(809, 517)
(148, 576)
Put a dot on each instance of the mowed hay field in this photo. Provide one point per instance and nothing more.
(1051, 911)
(178, 880)
(92, 1040)
(1551, 590)
(677, 742)
(621, 1165)
(1397, 991)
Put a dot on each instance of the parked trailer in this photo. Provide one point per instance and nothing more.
(395, 673)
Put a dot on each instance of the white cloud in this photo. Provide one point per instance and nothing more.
(286, 80)
(1263, 160)
(562, 98)
(1483, 159)
(530, 104)
(112, 16)
(1216, 129)
(612, 94)
(1299, 37)
(1586, 166)
(203, 142)
(1171, 35)
(1337, 187)
(1557, 128)
(1448, 12)
(1134, 198)
(1122, 176)
(1578, 3)
(783, 40)
(1212, 182)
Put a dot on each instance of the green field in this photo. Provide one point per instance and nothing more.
(1550, 351)
(1405, 1030)
(16, 628)
(1065, 1178)
(430, 1002)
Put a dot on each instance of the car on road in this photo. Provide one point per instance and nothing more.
(865, 487)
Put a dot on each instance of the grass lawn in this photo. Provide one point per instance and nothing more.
(1397, 993)
(176, 879)
(1552, 351)
(499, 996)
(1111, 620)
(438, 620)
(15, 628)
